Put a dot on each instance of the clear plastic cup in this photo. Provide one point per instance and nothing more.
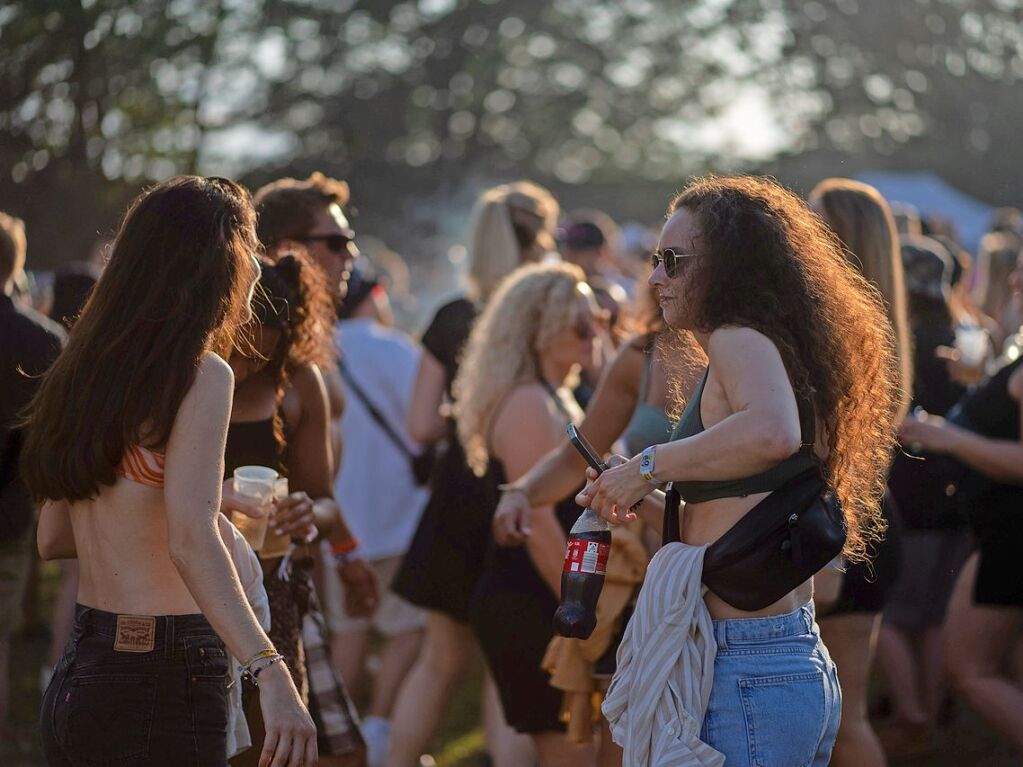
(275, 545)
(973, 344)
(256, 485)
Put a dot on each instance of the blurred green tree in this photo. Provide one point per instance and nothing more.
(413, 98)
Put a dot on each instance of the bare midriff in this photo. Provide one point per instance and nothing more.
(123, 554)
(703, 523)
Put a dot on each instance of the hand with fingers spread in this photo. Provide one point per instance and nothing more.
(294, 516)
(290, 733)
(511, 523)
(614, 494)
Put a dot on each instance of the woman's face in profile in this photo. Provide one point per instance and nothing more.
(672, 279)
(255, 347)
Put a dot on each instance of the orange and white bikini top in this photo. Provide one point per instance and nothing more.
(142, 465)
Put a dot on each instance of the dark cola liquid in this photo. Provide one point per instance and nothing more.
(581, 582)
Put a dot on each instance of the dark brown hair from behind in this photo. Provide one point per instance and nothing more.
(768, 263)
(287, 208)
(174, 289)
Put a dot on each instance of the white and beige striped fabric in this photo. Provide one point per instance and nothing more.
(658, 697)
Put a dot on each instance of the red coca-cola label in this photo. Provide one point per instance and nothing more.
(586, 557)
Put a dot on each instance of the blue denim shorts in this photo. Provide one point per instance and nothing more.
(776, 700)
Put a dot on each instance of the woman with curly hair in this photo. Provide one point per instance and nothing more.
(512, 224)
(537, 332)
(280, 420)
(789, 328)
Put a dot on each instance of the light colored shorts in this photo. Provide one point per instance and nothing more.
(776, 701)
(394, 617)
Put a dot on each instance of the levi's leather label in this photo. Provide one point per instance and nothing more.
(586, 557)
(135, 633)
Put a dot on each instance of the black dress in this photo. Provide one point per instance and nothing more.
(995, 510)
(446, 556)
(512, 613)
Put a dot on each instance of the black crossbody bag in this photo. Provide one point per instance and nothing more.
(780, 543)
(421, 463)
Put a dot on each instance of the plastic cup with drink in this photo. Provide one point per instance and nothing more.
(254, 484)
(275, 545)
(972, 343)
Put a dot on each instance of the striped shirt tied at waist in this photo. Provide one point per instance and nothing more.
(659, 695)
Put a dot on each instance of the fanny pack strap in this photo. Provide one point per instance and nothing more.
(670, 532)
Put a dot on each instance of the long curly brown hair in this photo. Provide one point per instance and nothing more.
(290, 297)
(778, 269)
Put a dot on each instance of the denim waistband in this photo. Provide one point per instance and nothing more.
(799, 622)
(167, 629)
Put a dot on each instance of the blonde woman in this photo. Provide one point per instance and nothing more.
(512, 224)
(850, 622)
(538, 331)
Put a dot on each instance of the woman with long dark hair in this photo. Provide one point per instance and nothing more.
(851, 613)
(801, 377)
(125, 449)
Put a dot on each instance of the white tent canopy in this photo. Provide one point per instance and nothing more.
(932, 195)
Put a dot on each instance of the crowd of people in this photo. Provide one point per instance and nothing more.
(837, 360)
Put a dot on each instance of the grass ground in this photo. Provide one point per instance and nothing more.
(967, 742)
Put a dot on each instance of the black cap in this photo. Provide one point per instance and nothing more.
(928, 267)
(582, 235)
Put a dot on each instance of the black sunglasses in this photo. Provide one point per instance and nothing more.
(671, 259)
(336, 243)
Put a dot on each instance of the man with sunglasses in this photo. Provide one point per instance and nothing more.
(308, 216)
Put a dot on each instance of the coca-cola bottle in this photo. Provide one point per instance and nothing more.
(582, 577)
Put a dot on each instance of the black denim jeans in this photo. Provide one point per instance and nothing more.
(147, 691)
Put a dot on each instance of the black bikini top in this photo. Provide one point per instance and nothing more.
(699, 491)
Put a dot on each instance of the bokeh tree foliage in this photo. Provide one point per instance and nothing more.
(412, 97)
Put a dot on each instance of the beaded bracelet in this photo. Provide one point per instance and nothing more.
(253, 674)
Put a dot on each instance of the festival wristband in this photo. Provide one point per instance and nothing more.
(267, 653)
(345, 547)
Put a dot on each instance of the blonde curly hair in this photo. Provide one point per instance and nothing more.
(530, 308)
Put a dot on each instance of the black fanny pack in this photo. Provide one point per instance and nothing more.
(780, 543)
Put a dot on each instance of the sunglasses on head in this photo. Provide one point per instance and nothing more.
(671, 258)
(336, 243)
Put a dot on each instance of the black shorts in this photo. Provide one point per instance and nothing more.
(137, 690)
(514, 629)
(1000, 571)
(865, 585)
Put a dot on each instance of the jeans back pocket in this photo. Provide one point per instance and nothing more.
(106, 719)
(785, 717)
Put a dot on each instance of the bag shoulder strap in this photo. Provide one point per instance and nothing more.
(374, 413)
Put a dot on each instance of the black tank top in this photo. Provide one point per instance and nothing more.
(251, 443)
(694, 491)
(989, 410)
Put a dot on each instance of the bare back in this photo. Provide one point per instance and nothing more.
(123, 552)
